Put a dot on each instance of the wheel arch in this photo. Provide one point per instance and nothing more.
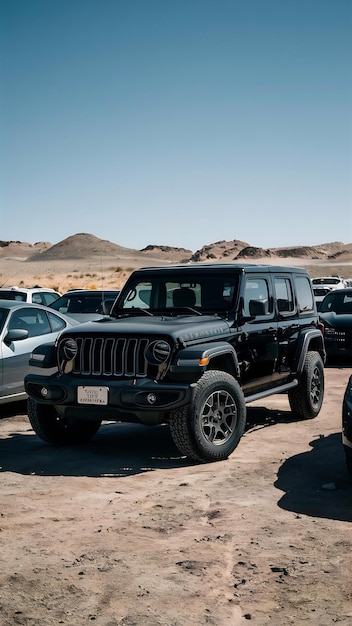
(309, 340)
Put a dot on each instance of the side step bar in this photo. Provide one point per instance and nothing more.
(271, 392)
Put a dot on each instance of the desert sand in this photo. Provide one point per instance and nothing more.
(125, 532)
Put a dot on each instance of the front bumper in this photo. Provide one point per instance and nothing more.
(141, 400)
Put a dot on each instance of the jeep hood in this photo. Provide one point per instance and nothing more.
(183, 328)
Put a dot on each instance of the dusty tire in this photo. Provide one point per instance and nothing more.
(210, 427)
(306, 399)
(51, 427)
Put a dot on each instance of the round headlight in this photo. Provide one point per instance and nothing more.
(69, 349)
(158, 352)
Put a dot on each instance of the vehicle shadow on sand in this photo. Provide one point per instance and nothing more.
(317, 483)
(116, 450)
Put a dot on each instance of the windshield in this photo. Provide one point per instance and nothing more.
(326, 281)
(197, 292)
(13, 295)
(3, 316)
(337, 302)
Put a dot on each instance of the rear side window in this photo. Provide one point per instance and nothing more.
(284, 294)
(305, 298)
(56, 323)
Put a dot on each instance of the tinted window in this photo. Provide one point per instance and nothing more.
(305, 297)
(213, 292)
(3, 316)
(337, 302)
(283, 294)
(56, 322)
(13, 295)
(34, 320)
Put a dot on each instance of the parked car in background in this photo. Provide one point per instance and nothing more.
(319, 294)
(86, 304)
(332, 282)
(347, 425)
(37, 295)
(23, 327)
(335, 313)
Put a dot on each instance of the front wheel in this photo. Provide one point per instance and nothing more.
(50, 426)
(210, 427)
(306, 399)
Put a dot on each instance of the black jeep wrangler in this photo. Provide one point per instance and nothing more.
(186, 345)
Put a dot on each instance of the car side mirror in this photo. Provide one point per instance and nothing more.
(16, 334)
(258, 307)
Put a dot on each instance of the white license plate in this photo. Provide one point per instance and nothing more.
(92, 395)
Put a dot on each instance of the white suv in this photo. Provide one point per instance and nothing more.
(331, 282)
(37, 295)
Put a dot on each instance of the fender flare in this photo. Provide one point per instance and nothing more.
(304, 341)
(189, 358)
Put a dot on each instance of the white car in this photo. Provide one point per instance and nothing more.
(331, 282)
(23, 327)
(36, 295)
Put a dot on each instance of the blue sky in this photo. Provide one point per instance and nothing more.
(176, 122)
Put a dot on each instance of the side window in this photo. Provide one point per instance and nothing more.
(304, 290)
(37, 298)
(256, 297)
(56, 323)
(49, 297)
(33, 320)
(284, 294)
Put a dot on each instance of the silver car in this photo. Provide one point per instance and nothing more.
(23, 327)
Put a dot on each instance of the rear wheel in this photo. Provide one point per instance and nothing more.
(50, 426)
(210, 427)
(306, 399)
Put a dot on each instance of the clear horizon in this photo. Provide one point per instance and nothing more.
(178, 124)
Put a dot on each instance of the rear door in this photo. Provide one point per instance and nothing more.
(295, 310)
(257, 344)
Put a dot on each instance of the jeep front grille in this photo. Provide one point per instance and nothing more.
(108, 356)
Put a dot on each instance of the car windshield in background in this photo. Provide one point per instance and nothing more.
(13, 295)
(83, 303)
(196, 291)
(326, 281)
(337, 302)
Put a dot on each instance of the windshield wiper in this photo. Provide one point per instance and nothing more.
(186, 308)
(127, 312)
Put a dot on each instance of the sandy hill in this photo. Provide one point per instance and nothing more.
(85, 261)
(86, 246)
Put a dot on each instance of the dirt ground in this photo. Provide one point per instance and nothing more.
(124, 532)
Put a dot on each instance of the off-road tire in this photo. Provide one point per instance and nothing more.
(210, 427)
(51, 427)
(306, 399)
